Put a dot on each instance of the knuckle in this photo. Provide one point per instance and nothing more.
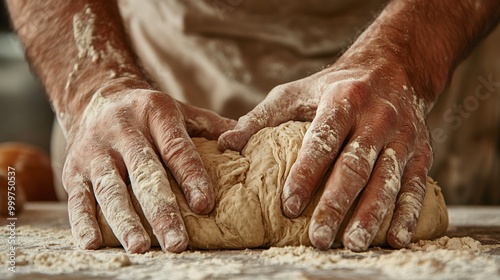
(408, 132)
(164, 221)
(388, 112)
(403, 150)
(333, 211)
(105, 178)
(356, 166)
(106, 188)
(425, 157)
(72, 178)
(415, 187)
(153, 98)
(281, 90)
(322, 138)
(76, 202)
(255, 118)
(357, 92)
(376, 216)
(176, 148)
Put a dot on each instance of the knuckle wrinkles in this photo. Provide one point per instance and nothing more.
(388, 113)
(106, 190)
(164, 221)
(175, 148)
(376, 216)
(416, 187)
(423, 160)
(407, 131)
(154, 98)
(356, 166)
(357, 92)
(333, 210)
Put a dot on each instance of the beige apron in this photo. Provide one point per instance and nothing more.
(226, 55)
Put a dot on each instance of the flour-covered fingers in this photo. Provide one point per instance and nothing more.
(410, 199)
(153, 192)
(321, 144)
(349, 176)
(205, 123)
(81, 208)
(377, 198)
(179, 154)
(182, 159)
(113, 198)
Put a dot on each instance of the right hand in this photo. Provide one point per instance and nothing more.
(129, 134)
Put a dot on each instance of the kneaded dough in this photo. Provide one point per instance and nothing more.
(248, 208)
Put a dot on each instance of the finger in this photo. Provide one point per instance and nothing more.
(377, 198)
(113, 198)
(205, 123)
(181, 157)
(349, 176)
(81, 208)
(153, 192)
(321, 144)
(275, 109)
(410, 199)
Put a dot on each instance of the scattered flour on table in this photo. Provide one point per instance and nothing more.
(45, 246)
(443, 258)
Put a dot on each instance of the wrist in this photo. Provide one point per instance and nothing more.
(427, 39)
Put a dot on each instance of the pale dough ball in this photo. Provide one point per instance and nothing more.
(248, 209)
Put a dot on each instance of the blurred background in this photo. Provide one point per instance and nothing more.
(25, 114)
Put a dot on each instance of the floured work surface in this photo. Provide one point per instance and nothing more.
(46, 250)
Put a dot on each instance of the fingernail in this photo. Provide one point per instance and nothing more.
(89, 240)
(357, 239)
(292, 206)
(322, 237)
(137, 243)
(403, 237)
(175, 242)
(200, 203)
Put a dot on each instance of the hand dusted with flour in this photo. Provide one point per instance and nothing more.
(116, 127)
(248, 205)
(367, 112)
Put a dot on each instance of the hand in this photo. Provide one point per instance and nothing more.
(368, 126)
(131, 133)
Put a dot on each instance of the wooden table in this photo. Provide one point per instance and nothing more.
(46, 250)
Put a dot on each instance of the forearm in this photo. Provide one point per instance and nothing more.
(75, 47)
(430, 37)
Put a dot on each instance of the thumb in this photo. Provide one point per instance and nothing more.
(281, 105)
(267, 113)
(205, 123)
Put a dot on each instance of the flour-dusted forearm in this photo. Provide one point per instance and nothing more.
(75, 47)
(433, 36)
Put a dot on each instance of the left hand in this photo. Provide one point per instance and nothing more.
(368, 124)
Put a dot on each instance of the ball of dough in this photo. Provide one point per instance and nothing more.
(248, 204)
(33, 170)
